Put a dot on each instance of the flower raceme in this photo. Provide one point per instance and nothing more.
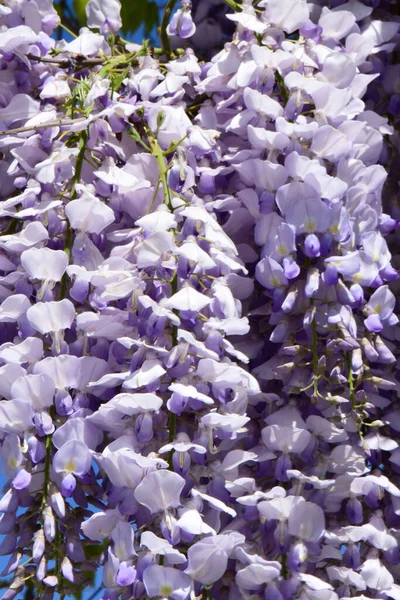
(198, 360)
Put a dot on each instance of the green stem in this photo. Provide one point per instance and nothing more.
(198, 102)
(79, 163)
(315, 356)
(12, 228)
(174, 290)
(282, 87)
(350, 381)
(360, 415)
(165, 43)
(235, 5)
(158, 153)
(172, 428)
(57, 541)
(68, 233)
(284, 566)
(68, 30)
(154, 195)
(47, 463)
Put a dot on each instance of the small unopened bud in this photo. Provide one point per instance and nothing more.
(57, 502)
(321, 365)
(38, 546)
(160, 118)
(41, 570)
(51, 580)
(292, 350)
(67, 569)
(49, 525)
(285, 368)
(134, 134)
(376, 423)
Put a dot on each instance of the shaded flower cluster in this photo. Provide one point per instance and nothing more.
(198, 329)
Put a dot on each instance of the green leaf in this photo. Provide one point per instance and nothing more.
(118, 79)
(135, 13)
(132, 15)
(79, 10)
(94, 550)
(152, 16)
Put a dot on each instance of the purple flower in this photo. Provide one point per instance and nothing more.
(182, 24)
(198, 342)
(104, 15)
(379, 309)
(166, 582)
(160, 490)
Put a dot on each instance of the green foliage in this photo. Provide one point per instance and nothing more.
(134, 14)
(94, 550)
(79, 10)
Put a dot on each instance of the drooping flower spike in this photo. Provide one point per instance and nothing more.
(198, 345)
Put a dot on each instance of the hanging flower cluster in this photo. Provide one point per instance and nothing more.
(198, 341)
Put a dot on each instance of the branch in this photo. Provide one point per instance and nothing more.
(165, 42)
(82, 62)
(56, 123)
(93, 596)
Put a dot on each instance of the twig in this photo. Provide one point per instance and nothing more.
(56, 123)
(165, 43)
(81, 61)
(93, 596)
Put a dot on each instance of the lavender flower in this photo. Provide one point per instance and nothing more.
(198, 353)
